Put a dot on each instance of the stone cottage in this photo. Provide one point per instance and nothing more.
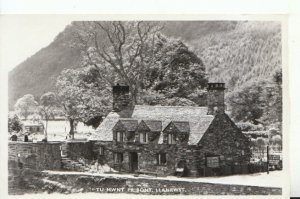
(171, 140)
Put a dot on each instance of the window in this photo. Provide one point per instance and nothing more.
(121, 137)
(101, 150)
(212, 162)
(161, 158)
(243, 152)
(143, 137)
(171, 139)
(118, 157)
(118, 136)
(124, 137)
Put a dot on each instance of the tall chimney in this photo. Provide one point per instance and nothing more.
(121, 98)
(215, 98)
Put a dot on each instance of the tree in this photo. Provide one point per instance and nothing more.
(137, 54)
(151, 97)
(120, 51)
(273, 113)
(26, 106)
(48, 107)
(247, 102)
(177, 72)
(14, 124)
(82, 96)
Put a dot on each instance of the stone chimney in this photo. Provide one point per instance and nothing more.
(121, 98)
(215, 98)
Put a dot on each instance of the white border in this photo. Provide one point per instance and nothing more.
(145, 7)
(290, 7)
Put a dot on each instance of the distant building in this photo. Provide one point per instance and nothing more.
(168, 139)
(33, 127)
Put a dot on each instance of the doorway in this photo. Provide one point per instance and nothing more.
(133, 161)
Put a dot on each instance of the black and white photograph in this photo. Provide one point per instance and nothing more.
(148, 107)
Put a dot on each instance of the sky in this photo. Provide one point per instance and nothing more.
(23, 36)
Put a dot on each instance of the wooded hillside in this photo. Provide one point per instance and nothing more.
(233, 52)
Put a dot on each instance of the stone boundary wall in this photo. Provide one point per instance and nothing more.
(36, 156)
(24, 156)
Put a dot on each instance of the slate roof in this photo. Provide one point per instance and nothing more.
(182, 126)
(129, 124)
(154, 125)
(197, 118)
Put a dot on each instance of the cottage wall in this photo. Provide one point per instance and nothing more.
(225, 139)
(107, 157)
(147, 157)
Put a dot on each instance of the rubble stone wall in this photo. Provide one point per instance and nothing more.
(24, 156)
(225, 139)
(147, 157)
(76, 150)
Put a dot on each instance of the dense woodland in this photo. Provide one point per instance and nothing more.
(163, 63)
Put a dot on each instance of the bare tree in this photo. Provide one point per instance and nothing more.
(119, 51)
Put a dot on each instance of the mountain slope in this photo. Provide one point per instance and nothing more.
(38, 73)
(252, 50)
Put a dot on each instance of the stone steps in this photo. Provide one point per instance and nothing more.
(73, 165)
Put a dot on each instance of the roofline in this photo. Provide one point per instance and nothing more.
(169, 125)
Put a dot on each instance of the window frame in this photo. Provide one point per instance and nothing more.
(118, 157)
(159, 158)
(120, 136)
(145, 139)
(171, 139)
(101, 150)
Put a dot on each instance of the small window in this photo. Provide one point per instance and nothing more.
(118, 136)
(118, 157)
(161, 158)
(143, 137)
(243, 152)
(101, 150)
(124, 136)
(171, 139)
(121, 137)
(213, 162)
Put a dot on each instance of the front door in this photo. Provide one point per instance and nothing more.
(133, 161)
